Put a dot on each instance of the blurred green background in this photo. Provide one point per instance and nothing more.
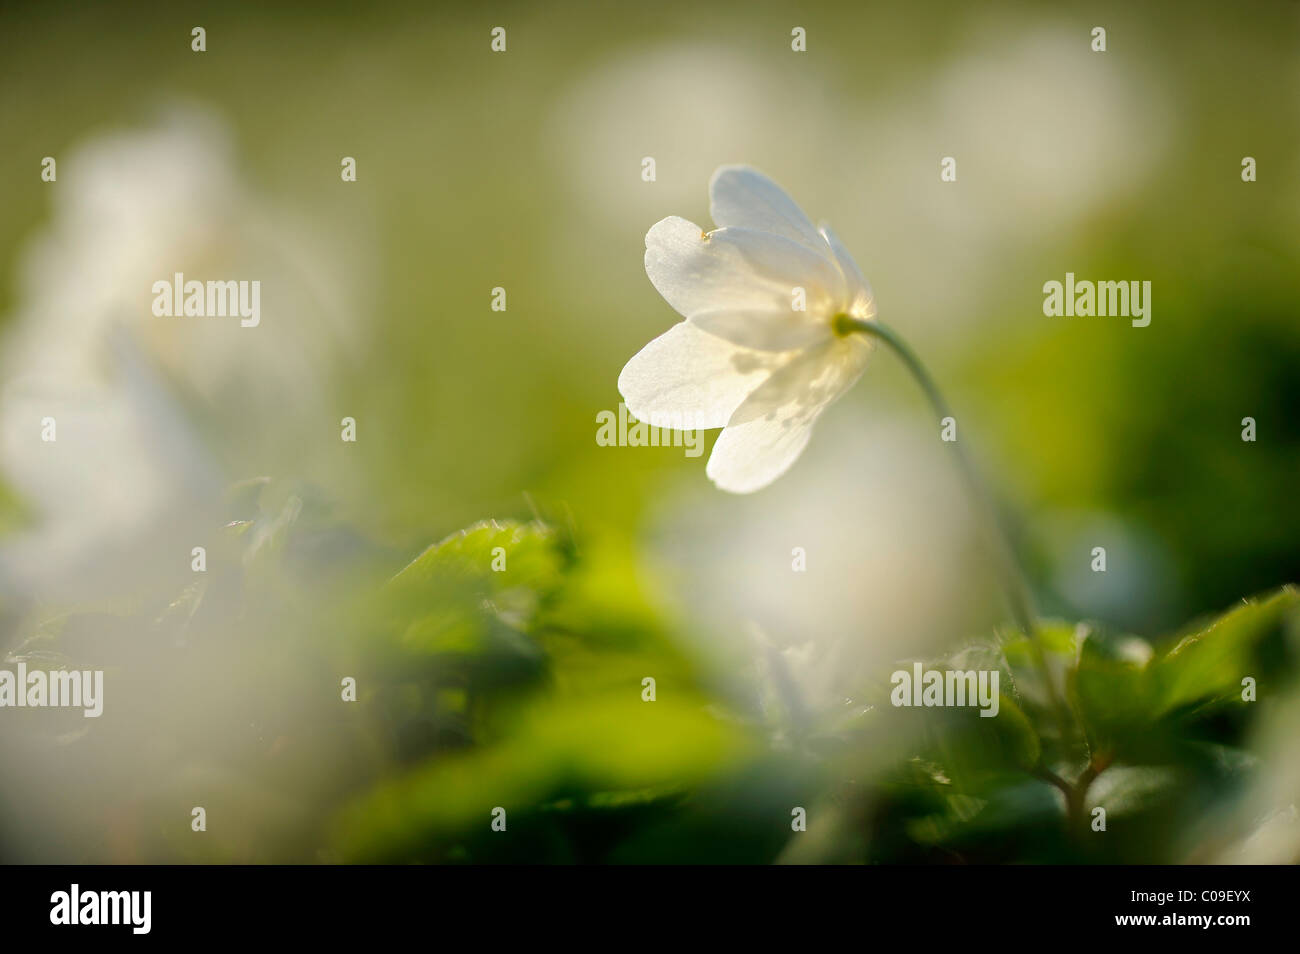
(522, 170)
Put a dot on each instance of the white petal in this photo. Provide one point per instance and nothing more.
(765, 330)
(736, 269)
(770, 429)
(862, 297)
(749, 457)
(692, 377)
(741, 197)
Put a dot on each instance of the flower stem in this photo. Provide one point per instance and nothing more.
(1013, 581)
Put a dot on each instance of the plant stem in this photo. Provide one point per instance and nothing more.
(1013, 581)
(1074, 794)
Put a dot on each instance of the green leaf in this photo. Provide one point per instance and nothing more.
(1018, 735)
(1060, 642)
(439, 603)
(530, 554)
(1111, 689)
(593, 751)
(1206, 667)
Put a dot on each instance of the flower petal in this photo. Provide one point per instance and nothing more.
(764, 330)
(770, 429)
(691, 377)
(736, 270)
(862, 298)
(742, 197)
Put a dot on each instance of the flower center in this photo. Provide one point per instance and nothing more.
(842, 325)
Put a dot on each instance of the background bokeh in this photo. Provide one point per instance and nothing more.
(523, 170)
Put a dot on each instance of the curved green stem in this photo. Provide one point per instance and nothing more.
(1013, 581)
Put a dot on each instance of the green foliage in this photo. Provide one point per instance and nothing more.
(1204, 670)
(1158, 739)
(503, 667)
(510, 669)
(520, 688)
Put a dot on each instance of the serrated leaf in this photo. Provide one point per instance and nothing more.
(1208, 664)
(526, 554)
(440, 603)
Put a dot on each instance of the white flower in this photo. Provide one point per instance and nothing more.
(130, 480)
(746, 359)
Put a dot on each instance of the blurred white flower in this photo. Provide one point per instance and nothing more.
(760, 353)
(153, 415)
(141, 205)
(694, 104)
(1047, 136)
(119, 496)
(121, 198)
(866, 554)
